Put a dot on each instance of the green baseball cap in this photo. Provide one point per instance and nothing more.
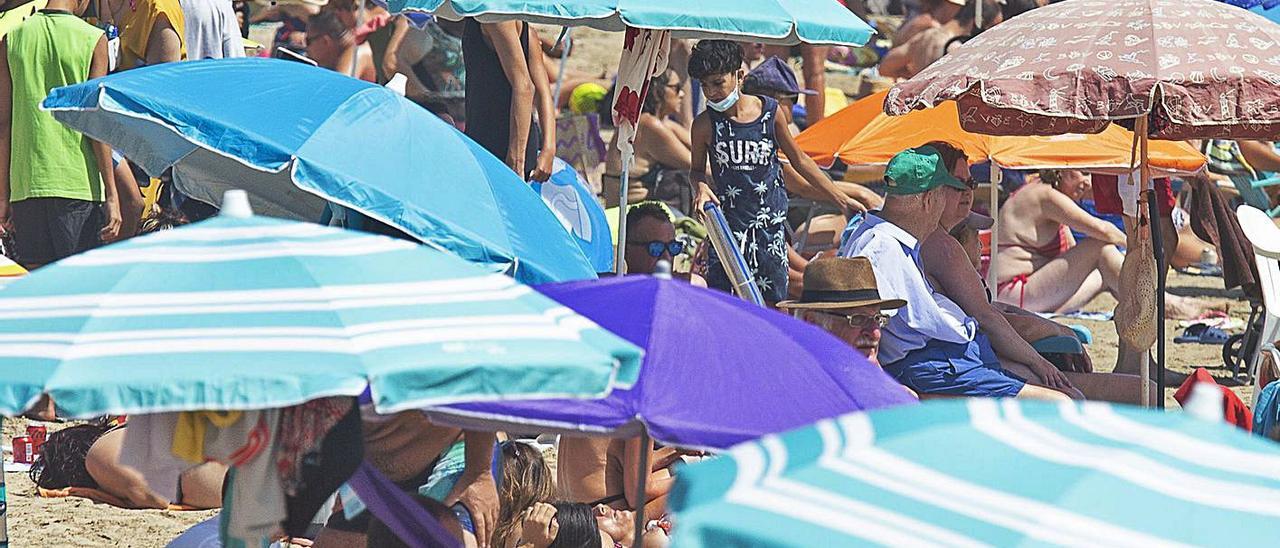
(918, 170)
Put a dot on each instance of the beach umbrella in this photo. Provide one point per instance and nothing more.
(704, 384)
(296, 136)
(862, 134)
(1173, 69)
(649, 26)
(983, 472)
(573, 203)
(244, 312)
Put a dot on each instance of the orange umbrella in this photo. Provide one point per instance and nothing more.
(861, 134)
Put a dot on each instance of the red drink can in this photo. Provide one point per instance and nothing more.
(38, 435)
(22, 452)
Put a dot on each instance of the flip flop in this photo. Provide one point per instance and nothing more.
(1202, 334)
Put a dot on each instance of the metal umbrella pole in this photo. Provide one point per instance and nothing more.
(1157, 248)
(566, 42)
(619, 252)
(643, 477)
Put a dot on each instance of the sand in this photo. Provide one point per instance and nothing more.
(76, 522)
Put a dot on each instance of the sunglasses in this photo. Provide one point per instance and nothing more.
(861, 321)
(657, 247)
(971, 183)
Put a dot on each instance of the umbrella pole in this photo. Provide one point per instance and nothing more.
(565, 43)
(1157, 247)
(1144, 186)
(642, 477)
(997, 177)
(619, 252)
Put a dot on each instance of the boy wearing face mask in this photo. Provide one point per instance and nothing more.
(742, 135)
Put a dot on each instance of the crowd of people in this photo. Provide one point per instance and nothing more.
(903, 284)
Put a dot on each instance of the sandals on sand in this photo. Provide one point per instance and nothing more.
(1202, 334)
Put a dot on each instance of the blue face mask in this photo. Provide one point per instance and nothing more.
(726, 103)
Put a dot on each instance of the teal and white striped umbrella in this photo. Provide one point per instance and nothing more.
(988, 473)
(253, 312)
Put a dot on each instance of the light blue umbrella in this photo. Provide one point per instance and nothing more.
(293, 136)
(773, 21)
(573, 203)
(252, 313)
(983, 472)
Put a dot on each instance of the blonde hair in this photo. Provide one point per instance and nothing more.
(526, 479)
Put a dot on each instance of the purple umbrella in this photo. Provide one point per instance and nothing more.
(717, 370)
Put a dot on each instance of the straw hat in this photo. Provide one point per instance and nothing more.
(833, 284)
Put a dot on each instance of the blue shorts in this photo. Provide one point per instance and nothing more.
(968, 369)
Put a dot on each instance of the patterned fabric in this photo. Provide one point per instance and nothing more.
(1201, 68)
(748, 181)
(644, 55)
(302, 427)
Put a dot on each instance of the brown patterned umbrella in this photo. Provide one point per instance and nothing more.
(1193, 68)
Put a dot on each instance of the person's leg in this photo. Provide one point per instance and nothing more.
(74, 226)
(1059, 280)
(1089, 288)
(814, 69)
(1035, 391)
(1110, 387)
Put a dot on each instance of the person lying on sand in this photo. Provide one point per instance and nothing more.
(88, 456)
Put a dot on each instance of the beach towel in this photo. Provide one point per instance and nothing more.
(100, 497)
(1214, 220)
(1234, 411)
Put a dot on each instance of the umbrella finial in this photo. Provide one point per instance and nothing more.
(662, 270)
(235, 203)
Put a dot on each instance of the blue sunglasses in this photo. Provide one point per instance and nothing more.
(657, 247)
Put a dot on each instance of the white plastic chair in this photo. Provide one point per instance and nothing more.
(1265, 237)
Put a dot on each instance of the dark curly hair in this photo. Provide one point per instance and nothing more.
(712, 57)
(61, 462)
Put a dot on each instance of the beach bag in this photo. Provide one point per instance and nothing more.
(1266, 414)
(1136, 311)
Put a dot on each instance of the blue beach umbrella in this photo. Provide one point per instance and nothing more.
(577, 209)
(294, 136)
(982, 472)
(773, 21)
(243, 312)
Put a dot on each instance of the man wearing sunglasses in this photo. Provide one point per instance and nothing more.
(651, 237)
(841, 297)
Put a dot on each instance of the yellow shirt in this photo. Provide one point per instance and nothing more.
(135, 29)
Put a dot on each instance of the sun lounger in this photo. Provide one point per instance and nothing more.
(1265, 238)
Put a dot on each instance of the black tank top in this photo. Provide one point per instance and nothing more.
(489, 95)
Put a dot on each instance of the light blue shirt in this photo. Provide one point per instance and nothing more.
(928, 315)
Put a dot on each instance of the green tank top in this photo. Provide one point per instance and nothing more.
(48, 159)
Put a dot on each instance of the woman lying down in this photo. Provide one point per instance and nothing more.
(86, 459)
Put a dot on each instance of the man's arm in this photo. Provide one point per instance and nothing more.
(809, 170)
(546, 105)
(102, 153)
(702, 191)
(165, 43)
(653, 487)
(959, 282)
(506, 40)
(476, 488)
(6, 125)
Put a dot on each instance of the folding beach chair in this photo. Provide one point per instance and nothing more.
(1265, 238)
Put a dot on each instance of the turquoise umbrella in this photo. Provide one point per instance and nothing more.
(774, 21)
(988, 473)
(243, 312)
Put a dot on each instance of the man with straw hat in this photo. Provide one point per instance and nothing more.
(841, 297)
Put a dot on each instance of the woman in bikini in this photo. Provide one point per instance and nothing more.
(1040, 266)
(660, 170)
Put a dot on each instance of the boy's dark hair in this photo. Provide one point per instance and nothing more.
(381, 536)
(650, 209)
(712, 57)
(578, 527)
(61, 462)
